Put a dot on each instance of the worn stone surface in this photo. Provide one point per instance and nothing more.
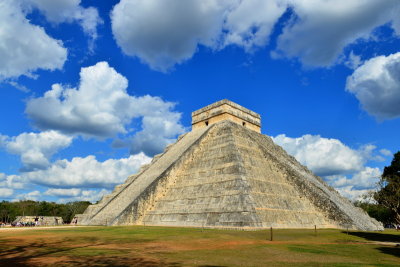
(226, 110)
(227, 175)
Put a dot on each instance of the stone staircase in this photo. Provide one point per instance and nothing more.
(112, 205)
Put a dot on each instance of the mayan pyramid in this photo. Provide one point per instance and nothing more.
(226, 174)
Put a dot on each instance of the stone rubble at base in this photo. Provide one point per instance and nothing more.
(225, 174)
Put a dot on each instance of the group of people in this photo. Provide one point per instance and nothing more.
(74, 221)
(23, 224)
(36, 222)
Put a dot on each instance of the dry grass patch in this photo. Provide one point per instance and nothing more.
(162, 246)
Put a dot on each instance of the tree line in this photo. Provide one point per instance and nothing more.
(10, 210)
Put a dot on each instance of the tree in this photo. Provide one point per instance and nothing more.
(388, 194)
(376, 211)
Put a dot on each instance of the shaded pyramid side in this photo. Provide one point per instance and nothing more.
(336, 209)
(278, 202)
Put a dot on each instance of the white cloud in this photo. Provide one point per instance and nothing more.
(386, 152)
(353, 194)
(101, 107)
(163, 33)
(68, 11)
(353, 61)
(376, 84)
(62, 192)
(320, 29)
(35, 149)
(86, 195)
(6, 192)
(34, 195)
(148, 139)
(339, 165)
(365, 179)
(12, 181)
(250, 23)
(324, 156)
(24, 47)
(87, 172)
(76, 194)
(355, 187)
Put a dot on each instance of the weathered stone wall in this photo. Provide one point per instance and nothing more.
(226, 110)
(226, 116)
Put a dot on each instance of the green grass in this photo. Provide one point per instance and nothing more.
(155, 246)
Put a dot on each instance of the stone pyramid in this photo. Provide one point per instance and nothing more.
(225, 173)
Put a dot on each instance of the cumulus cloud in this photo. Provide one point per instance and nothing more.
(6, 192)
(12, 181)
(340, 166)
(101, 107)
(165, 33)
(320, 29)
(353, 61)
(34, 195)
(24, 47)
(62, 192)
(365, 179)
(148, 139)
(358, 185)
(86, 195)
(35, 149)
(251, 22)
(68, 11)
(376, 84)
(324, 156)
(67, 180)
(87, 172)
(353, 194)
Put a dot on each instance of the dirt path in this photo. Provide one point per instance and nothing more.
(38, 227)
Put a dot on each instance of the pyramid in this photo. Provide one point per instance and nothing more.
(226, 174)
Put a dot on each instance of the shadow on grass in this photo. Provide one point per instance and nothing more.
(381, 237)
(43, 252)
(377, 236)
(395, 251)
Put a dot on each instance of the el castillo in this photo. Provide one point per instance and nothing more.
(226, 174)
(222, 195)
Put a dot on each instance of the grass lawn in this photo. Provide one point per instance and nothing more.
(162, 246)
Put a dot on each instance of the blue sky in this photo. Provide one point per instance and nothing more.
(91, 90)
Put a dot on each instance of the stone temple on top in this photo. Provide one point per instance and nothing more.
(226, 174)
